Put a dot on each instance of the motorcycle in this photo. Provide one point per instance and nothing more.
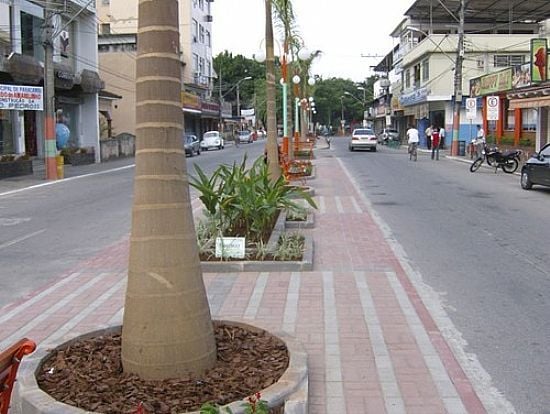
(508, 161)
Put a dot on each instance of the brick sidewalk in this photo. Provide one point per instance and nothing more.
(373, 346)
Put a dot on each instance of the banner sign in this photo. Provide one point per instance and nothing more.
(21, 98)
(521, 76)
(539, 60)
(415, 97)
(491, 83)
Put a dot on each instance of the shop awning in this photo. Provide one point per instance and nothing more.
(536, 102)
(191, 111)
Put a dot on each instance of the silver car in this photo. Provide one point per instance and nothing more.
(363, 138)
(245, 137)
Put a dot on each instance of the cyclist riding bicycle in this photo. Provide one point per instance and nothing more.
(412, 140)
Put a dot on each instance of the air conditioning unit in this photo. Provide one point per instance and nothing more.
(208, 18)
(481, 63)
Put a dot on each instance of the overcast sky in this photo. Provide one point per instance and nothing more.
(344, 30)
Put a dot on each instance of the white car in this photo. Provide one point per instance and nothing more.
(363, 138)
(212, 139)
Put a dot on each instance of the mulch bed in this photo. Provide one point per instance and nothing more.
(88, 374)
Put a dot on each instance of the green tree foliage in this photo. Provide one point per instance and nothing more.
(328, 103)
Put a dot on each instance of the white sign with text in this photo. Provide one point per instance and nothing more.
(21, 98)
(230, 247)
(493, 105)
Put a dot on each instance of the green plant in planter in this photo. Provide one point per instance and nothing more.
(290, 247)
(244, 201)
(14, 157)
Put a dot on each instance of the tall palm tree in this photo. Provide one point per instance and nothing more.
(167, 328)
(273, 166)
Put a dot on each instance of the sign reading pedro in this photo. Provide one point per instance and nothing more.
(539, 60)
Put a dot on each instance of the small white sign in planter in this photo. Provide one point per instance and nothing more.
(230, 247)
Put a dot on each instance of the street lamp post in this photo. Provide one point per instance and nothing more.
(239, 96)
(342, 122)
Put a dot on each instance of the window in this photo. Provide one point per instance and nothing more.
(105, 2)
(105, 28)
(425, 69)
(208, 40)
(529, 118)
(31, 33)
(195, 31)
(201, 4)
(503, 61)
(201, 34)
(407, 78)
(195, 62)
(416, 75)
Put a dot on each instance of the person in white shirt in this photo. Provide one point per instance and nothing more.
(412, 140)
(479, 142)
(442, 137)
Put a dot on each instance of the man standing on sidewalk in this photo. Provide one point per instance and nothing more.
(428, 133)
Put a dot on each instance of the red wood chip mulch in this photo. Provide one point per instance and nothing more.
(88, 374)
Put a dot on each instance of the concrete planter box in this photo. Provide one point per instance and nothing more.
(280, 227)
(123, 145)
(291, 389)
(78, 158)
(15, 168)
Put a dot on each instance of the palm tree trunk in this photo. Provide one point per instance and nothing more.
(273, 166)
(167, 328)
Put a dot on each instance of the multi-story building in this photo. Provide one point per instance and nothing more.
(77, 82)
(117, 55)
(495, 37)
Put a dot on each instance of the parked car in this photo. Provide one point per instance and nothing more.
(192, 145)
(362, 138)
(388, 135)
(245, 136)
(537, 169)
(212, 139)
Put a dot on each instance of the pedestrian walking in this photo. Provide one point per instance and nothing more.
(435, 143)
(412, 140)
(428, 133)
(442, 137)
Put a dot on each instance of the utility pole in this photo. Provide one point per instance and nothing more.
(458, 82)
(220, 128)
(50, 149)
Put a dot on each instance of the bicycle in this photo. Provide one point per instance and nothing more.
(413, 151)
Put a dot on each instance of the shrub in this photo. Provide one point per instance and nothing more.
(245, 202)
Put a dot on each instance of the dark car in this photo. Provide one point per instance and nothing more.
(537, 169)
(388, 135)
(192, 145)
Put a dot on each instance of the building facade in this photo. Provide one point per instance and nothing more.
(431, 49)
(117, 45)
(77, 82)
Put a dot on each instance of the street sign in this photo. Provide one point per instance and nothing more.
(471, 108)
(493, 108)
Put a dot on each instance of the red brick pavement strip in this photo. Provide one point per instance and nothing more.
(345, 243)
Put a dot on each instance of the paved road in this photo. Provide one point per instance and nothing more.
(481, 242)
(46, 230)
